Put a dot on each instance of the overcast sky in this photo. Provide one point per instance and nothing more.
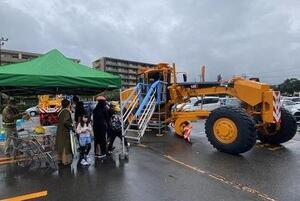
(258, 38)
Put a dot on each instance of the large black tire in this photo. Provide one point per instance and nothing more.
(288, 129)
(246, 132)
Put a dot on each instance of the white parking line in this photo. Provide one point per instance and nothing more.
(223, 180)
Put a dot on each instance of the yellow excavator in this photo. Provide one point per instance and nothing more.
(232, 130)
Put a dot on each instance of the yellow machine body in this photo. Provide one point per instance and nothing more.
(46, 102)
(257, 97)
(49, 107)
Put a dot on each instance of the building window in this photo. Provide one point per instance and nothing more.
(25, 57)
(16, 56)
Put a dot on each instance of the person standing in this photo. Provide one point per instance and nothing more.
(10, 115)
(84, 130)
(63, 141)
(187, 129)
(115, 126)
(79, 109)
(100, 124)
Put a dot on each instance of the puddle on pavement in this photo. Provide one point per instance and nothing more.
(15, 171)
(115, 159)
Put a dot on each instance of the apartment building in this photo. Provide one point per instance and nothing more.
(128, 70)
(14, 56)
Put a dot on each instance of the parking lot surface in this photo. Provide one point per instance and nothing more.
(168, 168)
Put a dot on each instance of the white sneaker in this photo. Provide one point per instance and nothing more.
(83, 162)
(89, 160)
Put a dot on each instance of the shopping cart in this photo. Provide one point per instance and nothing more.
(34, 150)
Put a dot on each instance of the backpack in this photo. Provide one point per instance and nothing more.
(115, 123)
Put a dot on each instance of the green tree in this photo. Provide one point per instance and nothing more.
(289, 86)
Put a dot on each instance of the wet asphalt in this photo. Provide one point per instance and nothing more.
(168, 168)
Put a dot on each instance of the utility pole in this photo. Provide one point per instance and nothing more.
(2, 40)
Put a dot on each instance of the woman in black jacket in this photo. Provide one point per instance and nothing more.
(100, 124)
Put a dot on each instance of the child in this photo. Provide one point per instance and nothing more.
(84, 130)
(115, 127)
(187, 129)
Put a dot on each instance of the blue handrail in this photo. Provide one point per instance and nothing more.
(157, 85)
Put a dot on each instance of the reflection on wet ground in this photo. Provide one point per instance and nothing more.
(167, 168)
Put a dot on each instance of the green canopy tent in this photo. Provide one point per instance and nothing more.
(53, 73)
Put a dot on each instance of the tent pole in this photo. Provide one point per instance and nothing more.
(122, 125)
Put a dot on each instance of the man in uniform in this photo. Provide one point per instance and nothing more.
(10, 115)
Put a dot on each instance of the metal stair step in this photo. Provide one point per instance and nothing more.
(133, 138)
(132, 130)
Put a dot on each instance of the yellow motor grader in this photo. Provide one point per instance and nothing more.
(229, 129)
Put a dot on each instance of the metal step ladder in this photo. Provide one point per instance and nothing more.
(138, 110)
